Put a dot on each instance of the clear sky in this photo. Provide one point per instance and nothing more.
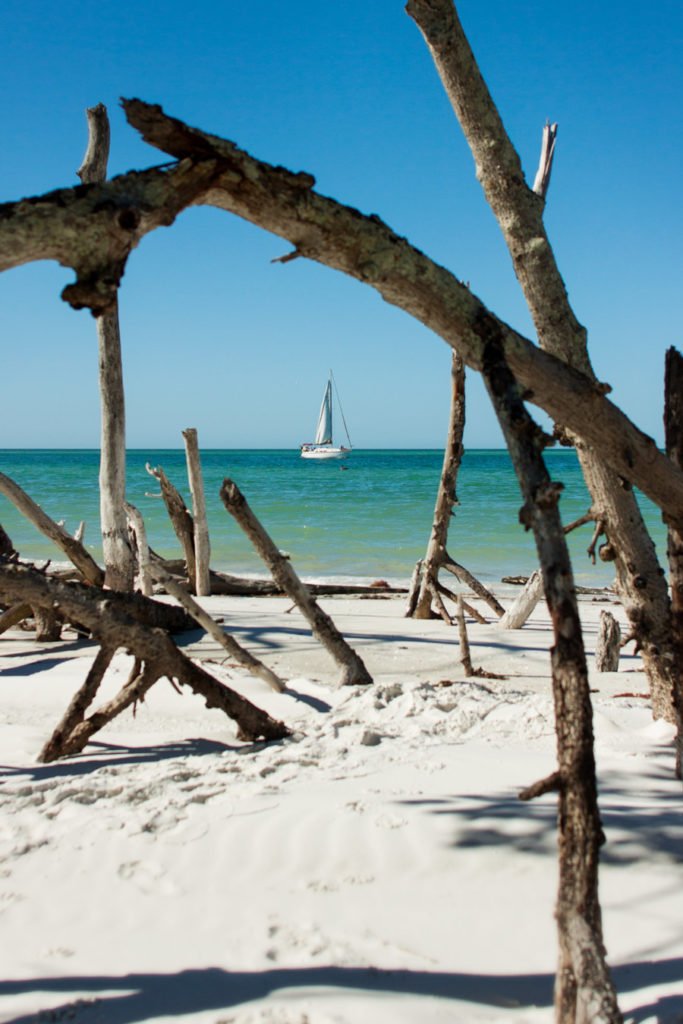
(217, 336)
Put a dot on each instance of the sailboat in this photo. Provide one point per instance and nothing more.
(323, 447)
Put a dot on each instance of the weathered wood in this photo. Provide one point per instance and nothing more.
(414, 589)
(137, 528)
(227, 642)
(353, 671)
(465, 657)
(80, 702)
(608, 644)
(72, 548)
(524, 604)
(202, 547)
(519, 212)
(181, 519)
(466, 577)
(673, 437)
(105, 615)
(583, 980)
(118, 557)
(367, 250)
(446, 497)
(240, 586)
(48, 624)
(93, 230)
(14, 615)
(545, 163)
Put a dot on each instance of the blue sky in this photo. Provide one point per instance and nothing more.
(217, 336)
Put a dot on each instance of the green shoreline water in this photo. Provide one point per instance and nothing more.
(367, 517)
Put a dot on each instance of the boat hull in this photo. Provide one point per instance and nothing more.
(324, 452)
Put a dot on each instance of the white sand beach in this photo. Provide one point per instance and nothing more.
(377, 867)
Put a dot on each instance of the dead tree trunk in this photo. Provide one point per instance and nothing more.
(202, 548)
(583, 990)
(353, 671)
(181, 520)
(673, 431)
(118, 557)
(519, 211)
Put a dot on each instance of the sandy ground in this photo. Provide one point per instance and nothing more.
(376, 867)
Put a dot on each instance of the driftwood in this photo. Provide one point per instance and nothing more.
(242, 586)
(14, 615)
(524, 604)
(181, 519)
(608, 644)
(519, 212)
(138, 533)
(583, 987)
(353, 671)
(202, 548)
(73, 549)
(118, 557)
(227, 642)
(428, 574)
(6, 547)
(465, 657)
(105, 613)
(673, 435)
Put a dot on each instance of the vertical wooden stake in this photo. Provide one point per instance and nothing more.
(465, 657)
(202, 547)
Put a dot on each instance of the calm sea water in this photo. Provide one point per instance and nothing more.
(370, 519)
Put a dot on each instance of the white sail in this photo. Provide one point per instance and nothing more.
(323, 447)
(323, 434)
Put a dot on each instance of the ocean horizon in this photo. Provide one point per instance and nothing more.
(366, 517)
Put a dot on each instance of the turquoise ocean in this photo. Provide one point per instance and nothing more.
(369, 520)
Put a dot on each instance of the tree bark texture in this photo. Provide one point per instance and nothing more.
(73, 549)
(104, 613)
(446, 496)
(94, 229)
(583, 990)
(118, 557)
(519, 212)
(608, 644)
(202, 547)
(673, 435)
(181, 520)
(353, 671)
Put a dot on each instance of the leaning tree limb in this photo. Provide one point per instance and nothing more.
(104, 613)
(118, 557)
(93, 230)
(181, 520)
(583, 988)
(80, 702)
(227, 642)
(73, 549)
(519, 212)
(353, 671)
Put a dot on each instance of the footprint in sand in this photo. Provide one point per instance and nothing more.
(147, 876)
